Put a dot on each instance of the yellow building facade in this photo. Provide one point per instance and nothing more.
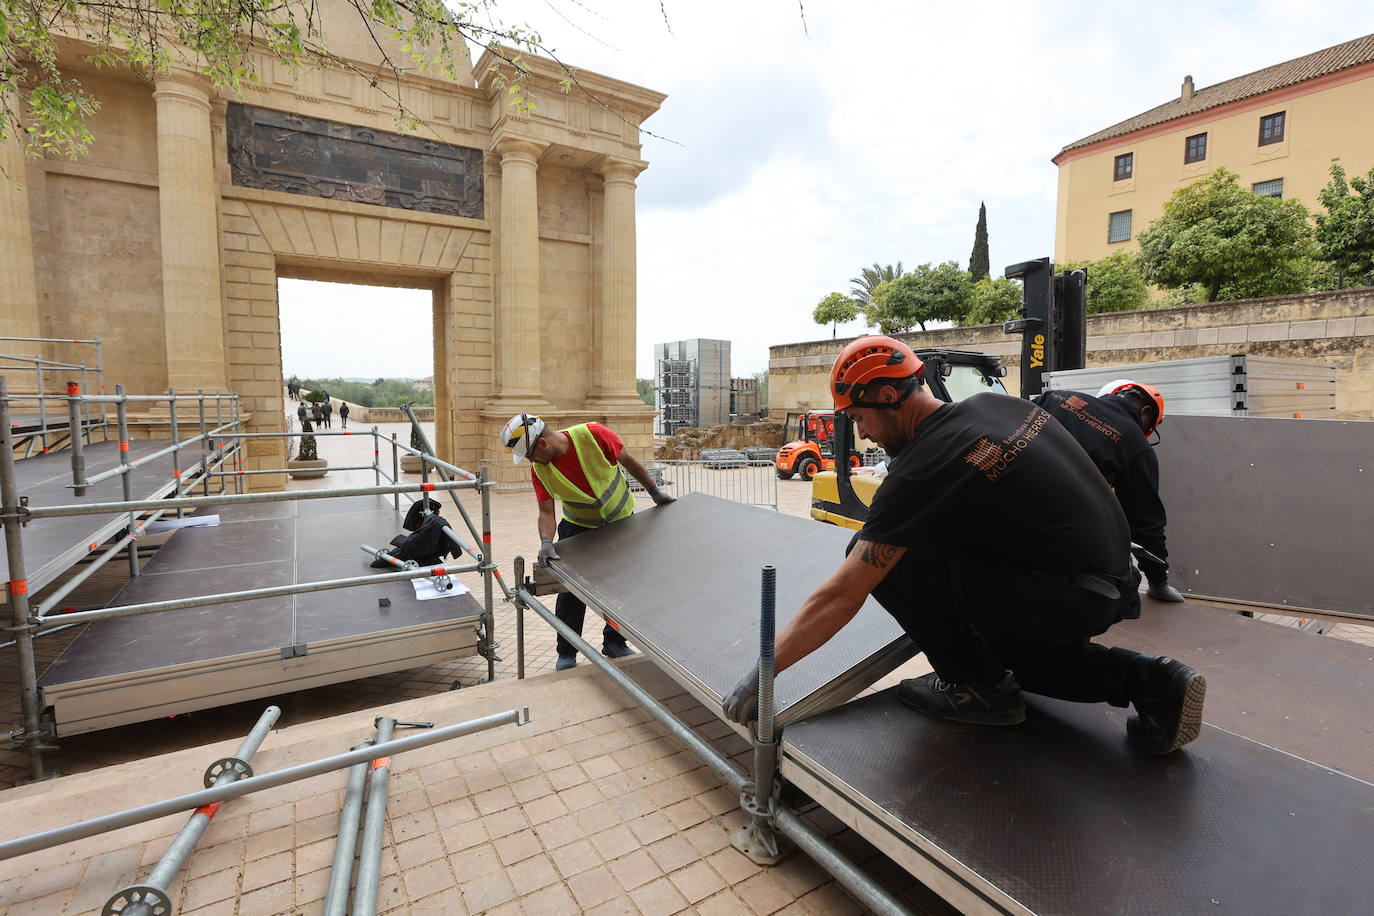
(1280, 129)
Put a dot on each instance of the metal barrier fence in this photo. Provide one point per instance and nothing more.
(754, 484)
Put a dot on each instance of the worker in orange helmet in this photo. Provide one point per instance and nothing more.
(1000, 550)
(1114, 428)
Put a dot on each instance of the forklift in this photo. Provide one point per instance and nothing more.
(1053, 329)
(809, 451)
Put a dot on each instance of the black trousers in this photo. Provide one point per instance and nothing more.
(570, 609)
(975, 617)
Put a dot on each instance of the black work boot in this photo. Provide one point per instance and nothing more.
(976, 704)
(1169, 707)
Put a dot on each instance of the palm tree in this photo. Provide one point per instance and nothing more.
(870, 278)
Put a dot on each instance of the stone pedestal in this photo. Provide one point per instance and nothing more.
(188, 204)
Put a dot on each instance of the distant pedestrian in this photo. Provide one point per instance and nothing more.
(343, 414)
(328, 408)
(316, 413)
(301, 412)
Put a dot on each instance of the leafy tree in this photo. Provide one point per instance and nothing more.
(834, 310)
(1115, 283)
(978, 260)
(939, 293)
(992, 301)
(870, 278)
(1345, 232)
(1216, 233)
(307, 451)
(384, 392)
(644, 387)
(763, 390)
(215, 39)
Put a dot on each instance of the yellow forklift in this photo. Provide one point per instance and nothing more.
(1053, 329)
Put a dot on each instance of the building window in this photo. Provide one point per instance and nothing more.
(1273, 188)
(1125, 167)
(1196, 149)
(1271, 128)
(1119, 226)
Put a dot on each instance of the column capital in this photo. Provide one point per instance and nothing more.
(519, 148)
(184, 86)
(613, 168)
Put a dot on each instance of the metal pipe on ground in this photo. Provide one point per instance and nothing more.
(150, 897)
(189, 802)
(370, 856)
(863, 887)
(346, 845)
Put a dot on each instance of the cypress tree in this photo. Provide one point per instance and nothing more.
(978, 261)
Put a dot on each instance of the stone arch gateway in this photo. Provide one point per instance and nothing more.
(168, 239)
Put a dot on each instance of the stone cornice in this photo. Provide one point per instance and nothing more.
(546, 74)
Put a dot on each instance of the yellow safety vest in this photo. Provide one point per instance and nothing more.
(613, 500)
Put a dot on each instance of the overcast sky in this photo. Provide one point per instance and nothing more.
(794, 157)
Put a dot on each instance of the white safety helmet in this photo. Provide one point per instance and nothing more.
(1114, 386)
(520, 434)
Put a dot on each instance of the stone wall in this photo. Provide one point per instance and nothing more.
(1335, 327)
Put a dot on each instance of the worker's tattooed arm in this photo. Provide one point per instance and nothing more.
(879, 556)
(836, 602)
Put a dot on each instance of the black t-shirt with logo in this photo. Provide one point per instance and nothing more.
(995, 476)
(1109, 431)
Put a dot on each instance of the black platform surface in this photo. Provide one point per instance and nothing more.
(700, 620)
(1245, 524)
(51, 545)
(1062, 816)
(256, 546)
(1301, 692)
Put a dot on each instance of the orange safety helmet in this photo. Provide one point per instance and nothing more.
(1151, 397)
(868, 362)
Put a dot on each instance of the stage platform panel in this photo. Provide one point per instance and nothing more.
(1061, 815)
(682, 583)
(52, 545)
(129, 669)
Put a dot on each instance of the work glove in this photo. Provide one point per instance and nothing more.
(659, 497)
(742, 703)
(546, 552)
(1163, 591)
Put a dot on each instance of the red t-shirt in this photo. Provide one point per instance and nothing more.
(568, 465)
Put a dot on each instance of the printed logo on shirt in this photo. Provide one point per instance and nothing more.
(1078, 408)
(992, 459)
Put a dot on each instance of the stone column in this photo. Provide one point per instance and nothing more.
(613, 375)
(517, 306)
(188, 198)
(19, 314)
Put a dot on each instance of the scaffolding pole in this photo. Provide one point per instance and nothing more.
(239, 788)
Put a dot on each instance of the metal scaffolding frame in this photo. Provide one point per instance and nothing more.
(40, 437)
(219, 444)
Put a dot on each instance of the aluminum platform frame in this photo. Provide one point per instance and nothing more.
(132, 669)
(1060, 815)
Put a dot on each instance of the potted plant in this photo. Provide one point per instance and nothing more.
(410, 464)
(307, 465)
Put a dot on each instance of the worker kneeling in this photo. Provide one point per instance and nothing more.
(580, 467)
(1000, 550)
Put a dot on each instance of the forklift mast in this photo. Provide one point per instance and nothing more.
(1053, 323)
